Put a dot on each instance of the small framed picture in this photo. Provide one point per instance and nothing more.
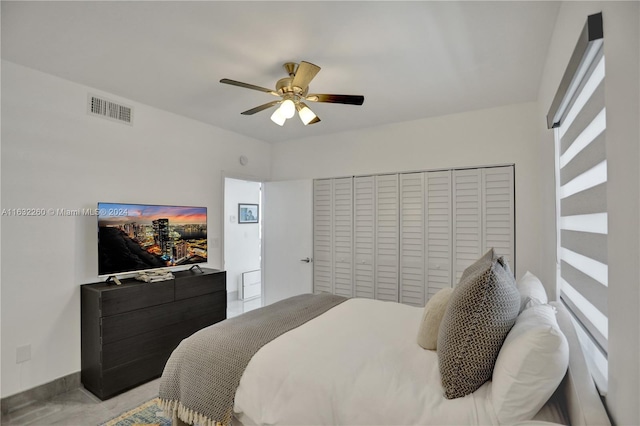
(248, 213)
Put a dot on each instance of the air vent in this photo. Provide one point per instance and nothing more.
(105, 108)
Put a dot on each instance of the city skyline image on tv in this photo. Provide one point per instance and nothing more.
(135, 237)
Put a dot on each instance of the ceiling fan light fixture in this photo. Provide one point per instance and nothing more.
(287, 108)
(278, 118)
(291, 91)
(305, 113)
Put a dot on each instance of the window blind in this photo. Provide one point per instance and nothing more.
(581, 187)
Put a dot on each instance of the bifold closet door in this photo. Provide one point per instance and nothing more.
(322, 236)
(386, 235)
(412, 233)
(467, 219)
(404, 237)
(483, 215)
(438, 231)
(499, 212)
(343, 237)
(364, 236)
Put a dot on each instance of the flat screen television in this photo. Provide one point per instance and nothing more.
(138, 237)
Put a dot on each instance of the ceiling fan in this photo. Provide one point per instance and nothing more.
(292, 91)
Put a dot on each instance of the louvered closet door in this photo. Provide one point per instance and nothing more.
(438, 231)
(364, 235)
(322, 236)
(412, 230)
(467, 219)
(343, 236)
(498, 209)
(386, 232)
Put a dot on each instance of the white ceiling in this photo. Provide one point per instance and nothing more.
(410, 60)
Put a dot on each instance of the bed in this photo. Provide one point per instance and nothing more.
(356, 361)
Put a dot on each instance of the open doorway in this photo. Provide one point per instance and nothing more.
(243, 244)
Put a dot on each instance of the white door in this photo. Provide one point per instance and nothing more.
(364, 235)
(387, 235)
(498, 207)
(322, 236)
(467, 219)
(343, 237)
(412, 259)
(439, 231)
(288, 221)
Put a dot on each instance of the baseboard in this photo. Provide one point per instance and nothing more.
(40, 393)
(231, 296)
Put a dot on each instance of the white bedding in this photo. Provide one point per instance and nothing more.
(357, 364)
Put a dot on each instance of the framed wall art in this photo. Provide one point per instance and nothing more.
(248, 213)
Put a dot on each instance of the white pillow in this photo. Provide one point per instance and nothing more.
(432, 317)
(531, 290)
(531, 364)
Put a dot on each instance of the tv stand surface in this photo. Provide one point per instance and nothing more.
(128, 331)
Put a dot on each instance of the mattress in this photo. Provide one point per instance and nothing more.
(357, 364)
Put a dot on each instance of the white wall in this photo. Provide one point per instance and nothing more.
(621, 22)
(477, 138)
(241, 241)
(54, 155)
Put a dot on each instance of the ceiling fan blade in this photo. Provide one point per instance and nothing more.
(304, 74)
(260, 108)
(337, 99)
(248, 86)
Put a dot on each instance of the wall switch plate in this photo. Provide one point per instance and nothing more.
(23, 354)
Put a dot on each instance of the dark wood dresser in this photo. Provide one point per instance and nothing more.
(128, 331)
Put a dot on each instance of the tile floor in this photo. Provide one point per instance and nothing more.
(80, 407)
(237, 307)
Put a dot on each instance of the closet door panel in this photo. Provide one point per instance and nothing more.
(343, 237)
(386, 232)
(364, 236)
(403, 237)
(467, 219)
(438, 231)
(412, 259)
(499, 214)
(322, 236)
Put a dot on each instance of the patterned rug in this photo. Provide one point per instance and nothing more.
(147, 414)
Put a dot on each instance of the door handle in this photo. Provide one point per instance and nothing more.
(306, 260)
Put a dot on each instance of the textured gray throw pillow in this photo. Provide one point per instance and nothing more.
(479, 265)
(502, 261)
(481, 311)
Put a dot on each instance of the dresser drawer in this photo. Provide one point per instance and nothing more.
(129, 324)
(136, 295)
(155, 341)
(191, 284)
(126, 376)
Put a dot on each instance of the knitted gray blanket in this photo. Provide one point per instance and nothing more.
(200, 379)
